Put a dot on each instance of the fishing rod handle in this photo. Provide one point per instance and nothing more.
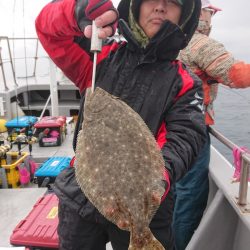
(96, 42)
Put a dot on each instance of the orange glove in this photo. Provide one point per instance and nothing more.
(239, 75)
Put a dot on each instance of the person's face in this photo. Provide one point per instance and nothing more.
(206, 15)
(154, 12)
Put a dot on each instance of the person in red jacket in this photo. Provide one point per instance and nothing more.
(144, 73)
(209, 60)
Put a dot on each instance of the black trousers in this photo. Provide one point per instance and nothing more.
(76, 233)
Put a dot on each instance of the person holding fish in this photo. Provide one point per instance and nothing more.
(138, 132)
(210, 60)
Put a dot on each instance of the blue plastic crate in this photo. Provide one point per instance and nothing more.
(53, 166)
(51, 169)
(21, 122)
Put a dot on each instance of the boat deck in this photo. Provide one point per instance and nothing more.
(15, 205)
(40, 154)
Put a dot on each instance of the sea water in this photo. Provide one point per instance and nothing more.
(232, 118)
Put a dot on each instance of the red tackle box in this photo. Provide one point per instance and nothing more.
(51, 130)
(39, 229)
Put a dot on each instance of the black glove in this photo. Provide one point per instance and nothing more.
(86, 11)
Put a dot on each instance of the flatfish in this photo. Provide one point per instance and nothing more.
(119, 166)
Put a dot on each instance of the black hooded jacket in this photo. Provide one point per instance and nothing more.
(150, 80)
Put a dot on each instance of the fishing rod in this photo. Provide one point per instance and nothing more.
(236, 93)
(96, 47)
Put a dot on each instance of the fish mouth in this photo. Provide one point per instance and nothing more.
(97, 101)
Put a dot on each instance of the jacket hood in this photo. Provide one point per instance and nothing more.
(179, 35)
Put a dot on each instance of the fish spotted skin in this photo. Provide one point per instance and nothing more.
(119, 166)
(146, 241)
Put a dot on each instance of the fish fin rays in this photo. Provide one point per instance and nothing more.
(149, 244)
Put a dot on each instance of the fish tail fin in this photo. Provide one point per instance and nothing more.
(147, 242)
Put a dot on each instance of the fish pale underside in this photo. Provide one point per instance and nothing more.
(119, 167)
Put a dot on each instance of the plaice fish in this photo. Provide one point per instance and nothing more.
(119, 167)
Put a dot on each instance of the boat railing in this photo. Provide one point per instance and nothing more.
(245, 165)
(11, 56)
(30, 52)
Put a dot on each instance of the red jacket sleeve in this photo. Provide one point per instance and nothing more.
(57, 31)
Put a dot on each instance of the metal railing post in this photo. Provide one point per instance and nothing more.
(11, 61)
(34, 71)
(244, 175)
(53, 89)
(1, 64)
(245, 166)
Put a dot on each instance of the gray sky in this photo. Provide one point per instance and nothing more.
(230, 26)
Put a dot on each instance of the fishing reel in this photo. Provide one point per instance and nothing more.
(20, 137)
(3, 150)
(25, 139)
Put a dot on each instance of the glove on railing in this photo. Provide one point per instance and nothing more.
(237, 154)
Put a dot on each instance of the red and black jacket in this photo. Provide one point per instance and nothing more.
(150, 80)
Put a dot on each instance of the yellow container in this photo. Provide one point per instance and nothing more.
(2, 126)
(11, 170)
